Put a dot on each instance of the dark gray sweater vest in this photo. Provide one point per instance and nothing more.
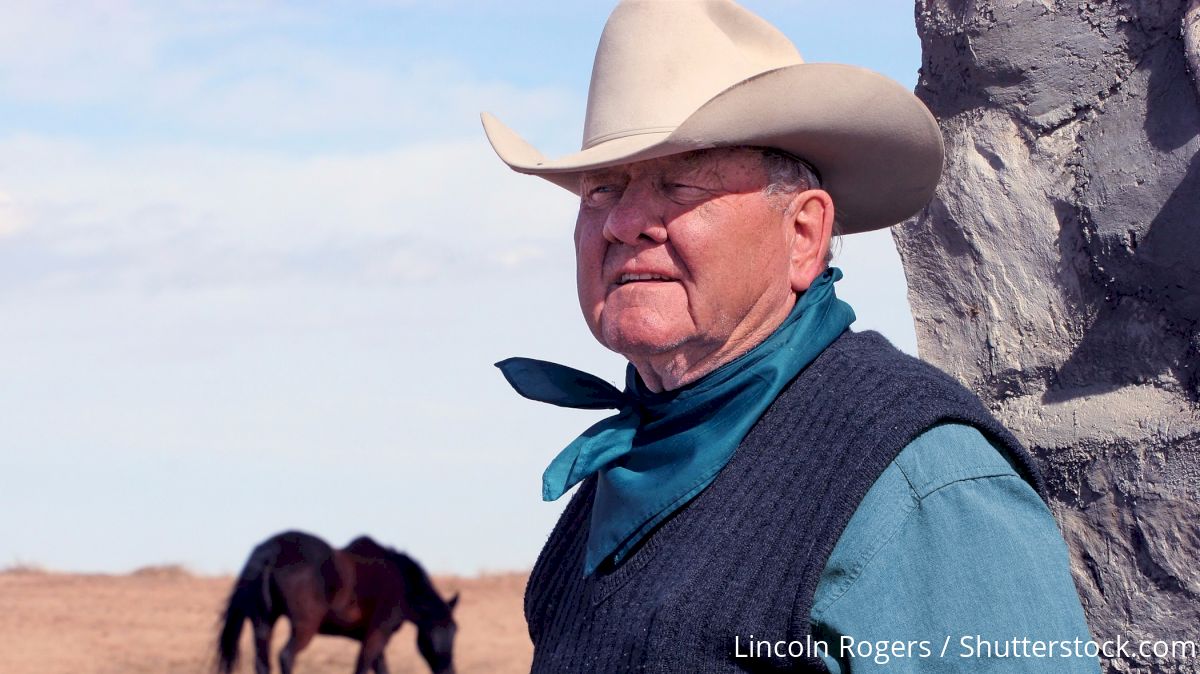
(743, 558)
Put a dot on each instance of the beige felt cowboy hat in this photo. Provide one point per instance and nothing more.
(679, 75)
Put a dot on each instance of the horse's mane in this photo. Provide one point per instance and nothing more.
(418, 587)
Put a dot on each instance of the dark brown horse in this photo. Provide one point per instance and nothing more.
(363, 591)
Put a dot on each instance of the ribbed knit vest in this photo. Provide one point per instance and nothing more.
(743, 558)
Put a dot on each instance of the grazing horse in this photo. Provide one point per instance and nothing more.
(363, 591)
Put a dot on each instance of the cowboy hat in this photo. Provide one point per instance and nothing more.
(674, 76)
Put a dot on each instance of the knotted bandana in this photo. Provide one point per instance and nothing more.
(661, 449)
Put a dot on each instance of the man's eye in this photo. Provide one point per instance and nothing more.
(685, 191)
(600, 194)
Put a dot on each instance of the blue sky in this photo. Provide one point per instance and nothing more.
(257, 258)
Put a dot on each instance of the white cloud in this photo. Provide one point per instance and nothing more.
(188, 214)
(10, 218)
(245, 73)
(73, 51)
(89, 50)
(252, 155)
(273, 157)
(290, 91)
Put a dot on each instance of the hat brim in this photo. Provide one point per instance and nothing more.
(877, 148)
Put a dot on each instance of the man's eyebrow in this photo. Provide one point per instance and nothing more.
(601, 174)
(693, 169)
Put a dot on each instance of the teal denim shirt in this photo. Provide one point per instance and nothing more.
(949, 542)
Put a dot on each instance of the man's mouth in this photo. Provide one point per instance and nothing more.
(631, 278)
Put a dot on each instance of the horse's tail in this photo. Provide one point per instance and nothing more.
(251, 598)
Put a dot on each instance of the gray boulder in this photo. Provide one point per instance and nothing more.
(1057, 274)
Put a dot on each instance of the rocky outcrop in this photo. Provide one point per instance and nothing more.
(1057, 273)
(1191, 39)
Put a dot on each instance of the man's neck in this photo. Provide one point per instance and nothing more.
(679, 367)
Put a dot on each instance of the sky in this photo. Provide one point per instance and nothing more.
(257, 260)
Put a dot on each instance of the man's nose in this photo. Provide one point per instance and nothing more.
(638, 215)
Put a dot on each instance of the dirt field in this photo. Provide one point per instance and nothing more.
(164, 621)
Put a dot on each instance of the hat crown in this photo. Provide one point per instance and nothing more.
(660, 60)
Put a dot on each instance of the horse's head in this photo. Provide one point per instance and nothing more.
(435, 638)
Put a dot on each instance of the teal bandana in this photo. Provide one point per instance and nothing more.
(662, 449)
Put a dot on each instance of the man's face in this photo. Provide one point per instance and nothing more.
(682, 255)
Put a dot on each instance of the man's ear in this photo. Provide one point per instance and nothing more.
(811, 215)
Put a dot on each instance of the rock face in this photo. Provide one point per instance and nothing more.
(1057, 273)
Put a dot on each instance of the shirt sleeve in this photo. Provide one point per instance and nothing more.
(952, 563)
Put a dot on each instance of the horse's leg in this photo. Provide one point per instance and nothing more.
(381, 664)
(262, 645)
(306, 607)
(372, 651)
(303, 630)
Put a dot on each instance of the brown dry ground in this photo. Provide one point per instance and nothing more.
(164, 621)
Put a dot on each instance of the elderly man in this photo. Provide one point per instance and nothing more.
(776, 492)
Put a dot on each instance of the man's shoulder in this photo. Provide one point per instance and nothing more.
(947, 453)
(878, 391)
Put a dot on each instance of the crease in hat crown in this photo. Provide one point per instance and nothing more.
(673, 76)
(658, 61)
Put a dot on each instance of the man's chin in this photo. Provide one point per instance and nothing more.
(638, 345)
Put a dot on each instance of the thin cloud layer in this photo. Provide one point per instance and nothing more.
(238, 216)
(253, 73)
(175, 145)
